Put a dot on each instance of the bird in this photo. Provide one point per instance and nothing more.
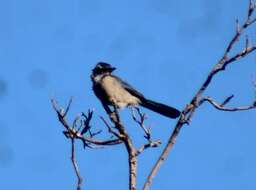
(113, 91)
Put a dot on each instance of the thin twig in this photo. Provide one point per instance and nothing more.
(152, 144)
(87, 121)
(227, 100)
(75, 165)
(119, 136)
(76, 134)
(140, 121)
(68, 107)
(222, 108)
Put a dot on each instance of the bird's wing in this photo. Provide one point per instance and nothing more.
(130, 89)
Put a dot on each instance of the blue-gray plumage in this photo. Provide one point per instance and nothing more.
(113, 91)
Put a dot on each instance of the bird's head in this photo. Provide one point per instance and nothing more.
(102, 68)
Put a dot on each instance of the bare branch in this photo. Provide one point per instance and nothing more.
(227, 100)
(152, 144)
(119, 136)
(222, 108)
(247, 42)
(87, 121)
(70, 132)
(75, 165)
(251, 9)
(68, 107)
(191, 107)
(131, 150)
(140, 121)
(238, 56)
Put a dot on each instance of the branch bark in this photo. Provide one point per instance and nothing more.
(71, 131)
(131, 150)
(75, 165)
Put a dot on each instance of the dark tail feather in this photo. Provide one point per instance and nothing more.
(161, 109)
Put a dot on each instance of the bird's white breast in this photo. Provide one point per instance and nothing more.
(116, 93)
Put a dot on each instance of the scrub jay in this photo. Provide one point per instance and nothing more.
(113, 91)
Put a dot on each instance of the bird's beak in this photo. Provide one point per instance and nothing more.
(112, 69)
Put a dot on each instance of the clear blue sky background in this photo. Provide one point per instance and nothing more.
(163, 48)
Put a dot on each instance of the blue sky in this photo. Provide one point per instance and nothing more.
(163, 48)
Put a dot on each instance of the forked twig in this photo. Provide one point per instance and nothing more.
(223, 108)
(73, 132)
(140, 121)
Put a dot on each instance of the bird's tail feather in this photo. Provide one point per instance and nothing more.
(161, 108)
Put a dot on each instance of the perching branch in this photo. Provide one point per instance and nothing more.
(120, 132)
(132, 160)
(111, 130)
(190, 109)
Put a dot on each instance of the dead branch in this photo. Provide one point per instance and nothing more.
(222, 108)
(140, 121)
(190, 109)
(81, 130)
(227, 100)
(124, 136)
(73, 132)
(131, 150)
(151, 144)
(75, 165)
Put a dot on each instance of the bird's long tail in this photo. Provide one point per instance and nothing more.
(161, 108)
